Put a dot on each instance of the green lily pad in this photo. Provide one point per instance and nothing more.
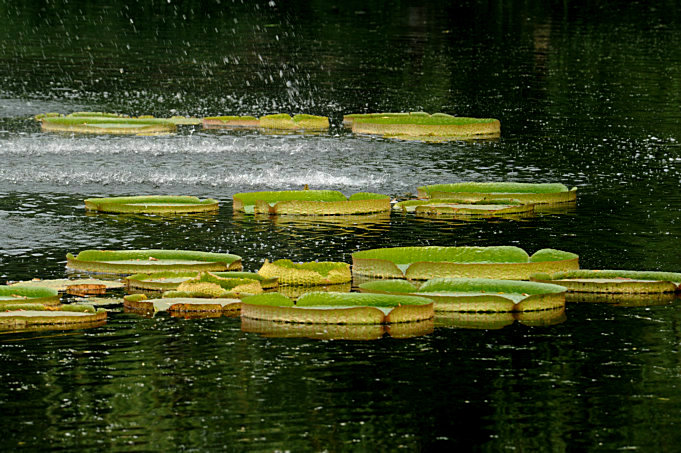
(424, 263)
(448, 208)
(167, 281)
(338, 308)
(613, 281)
(550, 193)
(151, 204)
(40, 315)
(310, 202)
(230, 122)
(208, 285)
(84, 123)
(421, 125)
(20, 294)
(294, 292)
(283, 121)
(306, 274)
(151, 261)
(139, 302)
(476, 295)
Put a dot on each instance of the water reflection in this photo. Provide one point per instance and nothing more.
(623, 300)
(271, 329)
(494, 321)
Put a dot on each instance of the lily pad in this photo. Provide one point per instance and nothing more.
(613, 281)
(338, 308)
(18, 294)
(448, 208)
(108, 125)
(64, 316)
(283, 121)
(476, 295)
(550, 193)
(208, 285)
(167, 281)
(139, 302)
(294, 292)
(424, 263)
(151, 261)
(230, 122)
(151, 204)
(421, 125)
(306, 274)
(62, 284)
(310, 202)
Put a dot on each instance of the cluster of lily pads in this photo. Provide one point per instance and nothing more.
(400, 291)
(407, 126)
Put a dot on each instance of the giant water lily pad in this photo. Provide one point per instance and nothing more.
(18, 294)
(40, 315)
(151, 261)
(477, 295)
(338, 308)
(167, 281)
(306, 274)
(209, 285)
(294, 292)
(424, 263)
(310, 202)
(90, 123)
(151, 204)
(613, 281)
(448, 208)
(140, 302)
(420, 125)
(278, 121)
(302, 122)
(230, 122)
(549, 193)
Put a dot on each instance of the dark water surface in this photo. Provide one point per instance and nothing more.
(588, 94)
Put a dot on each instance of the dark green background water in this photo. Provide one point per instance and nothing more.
(588, 94)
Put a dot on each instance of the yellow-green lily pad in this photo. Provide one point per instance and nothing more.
(424, 263)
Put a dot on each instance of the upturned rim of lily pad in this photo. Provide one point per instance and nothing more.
(151, 261)
(337, 308)
(152, 204)
(613, 281)
(28, 294)
(310, 202)
(476, 294)
(499, 320)
(108, 125)
(310, 273)
(32, 315)
(537, 193)
(140, 302)
(426, 262)
(422, 125)
(154, 282)
(445, 207)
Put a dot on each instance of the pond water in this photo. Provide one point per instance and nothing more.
(587, 93)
